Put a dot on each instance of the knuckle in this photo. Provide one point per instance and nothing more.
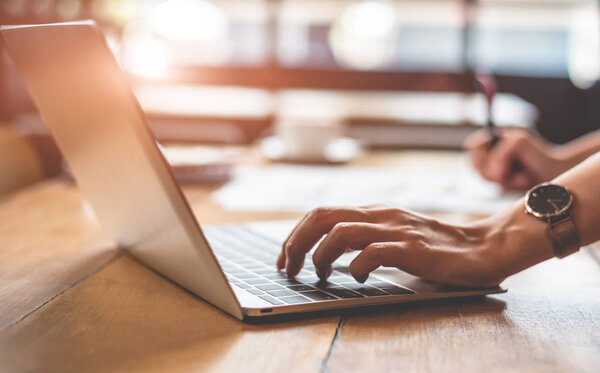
(376, 207)
(373, 206)
(374, 251)
(342, 227)
(520, 138)
(340, 231)
(288, 249)
(319, 212)
(404, 217)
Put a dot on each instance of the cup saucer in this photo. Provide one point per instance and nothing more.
(340, 150)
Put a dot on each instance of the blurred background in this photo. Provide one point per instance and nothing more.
(395, 73)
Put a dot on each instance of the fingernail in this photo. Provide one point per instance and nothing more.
(291, 271)
(320, 274)
(324, 275)
(362, 279)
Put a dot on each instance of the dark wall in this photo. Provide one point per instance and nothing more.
(566, 112)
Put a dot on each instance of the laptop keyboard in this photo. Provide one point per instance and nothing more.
(248, 260)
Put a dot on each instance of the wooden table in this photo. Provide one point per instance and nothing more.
(71, 302)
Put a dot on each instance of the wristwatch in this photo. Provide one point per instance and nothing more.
(553, 204)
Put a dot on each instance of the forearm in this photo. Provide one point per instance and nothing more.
(583, 181)
(515, 240)
(579, 149)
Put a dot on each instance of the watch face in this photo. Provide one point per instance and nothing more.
(548, 200)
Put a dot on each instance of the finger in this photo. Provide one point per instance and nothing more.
(477, 139)
(280, 261)
(316, 224)
(435, 265)
(479, 159)
(389, 254)
(347, 235)
(502, 157)
(478, 146)
(281, 257)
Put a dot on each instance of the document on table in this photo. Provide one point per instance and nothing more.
(301, 188)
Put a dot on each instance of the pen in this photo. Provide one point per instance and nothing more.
(487, 85)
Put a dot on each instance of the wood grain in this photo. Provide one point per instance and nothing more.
(128, 318)
(549, 321)
(20, 164)
(48, 241)
(70, 302)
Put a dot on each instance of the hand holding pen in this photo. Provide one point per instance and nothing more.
(513, 158)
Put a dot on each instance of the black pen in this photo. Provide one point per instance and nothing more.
(487, 85)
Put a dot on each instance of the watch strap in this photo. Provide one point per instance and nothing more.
(564, 237)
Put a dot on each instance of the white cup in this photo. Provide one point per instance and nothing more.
(307, 136)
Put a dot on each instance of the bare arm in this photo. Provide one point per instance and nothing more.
(579, 149)
(538, 159)
(482, 253)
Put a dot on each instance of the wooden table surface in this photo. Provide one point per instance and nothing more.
(71, 302)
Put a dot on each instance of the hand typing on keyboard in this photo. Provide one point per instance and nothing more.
(243, 255)
(479, 254)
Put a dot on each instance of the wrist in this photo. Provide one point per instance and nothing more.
(514, 241)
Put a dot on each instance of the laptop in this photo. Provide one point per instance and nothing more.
(85, 100)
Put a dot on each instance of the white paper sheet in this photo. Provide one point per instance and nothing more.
(301, 188)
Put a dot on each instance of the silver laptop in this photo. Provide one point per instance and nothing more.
(99, 126)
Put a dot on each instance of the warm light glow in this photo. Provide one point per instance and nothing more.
(14, 8)
(188, 20)
(68, 9)
(363, 37)
(119, 11)
(143, 53)
(42, 7)
(584, 46)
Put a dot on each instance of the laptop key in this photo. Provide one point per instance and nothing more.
(254, 291)
(336, 275)
(377, 283)
(234, 270)
(257, 281)
(325, 285)
(264, 271)
(281, 293)
(366, 290)
(287, 281)
(307, 278)
(344, 293)
(397, 290)
(318, 295)
(295, 299)
(270, 299)
(245, 276)
(299, 287)
(275, 276)
(242, 285)
(268, 287)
